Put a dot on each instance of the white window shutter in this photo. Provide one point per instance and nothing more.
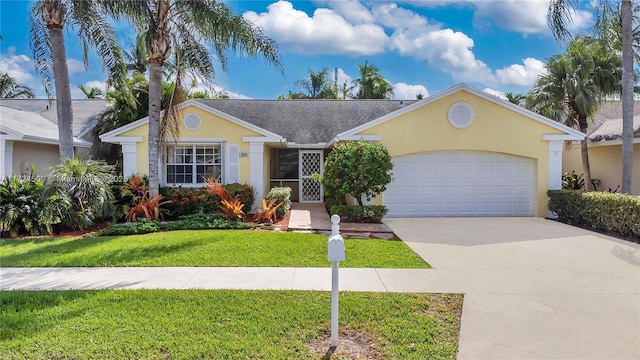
(233, 163)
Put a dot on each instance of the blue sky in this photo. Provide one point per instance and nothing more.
(419, 46)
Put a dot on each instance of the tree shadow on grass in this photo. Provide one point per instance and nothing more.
(22, 311)
(117, 256)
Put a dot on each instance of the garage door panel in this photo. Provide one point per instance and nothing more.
(461, 183)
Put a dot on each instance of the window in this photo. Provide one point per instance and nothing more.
(286, 166)
(190, 164)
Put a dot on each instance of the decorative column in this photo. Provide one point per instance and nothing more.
(6, 158)
(256, 169)
(555, 164)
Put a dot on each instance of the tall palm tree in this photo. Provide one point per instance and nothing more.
(558, 18)
(574, 86)
(318, 85)
(187, 25)
(11, 89)
(371, 84)
(93, 93)
(47, 20)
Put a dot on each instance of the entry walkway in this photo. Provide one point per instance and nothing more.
(314, 217)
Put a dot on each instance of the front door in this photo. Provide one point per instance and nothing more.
(310, 163)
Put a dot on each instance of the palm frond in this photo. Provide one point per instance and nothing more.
(40, 43)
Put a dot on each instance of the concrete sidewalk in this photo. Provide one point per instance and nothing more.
(254, 278)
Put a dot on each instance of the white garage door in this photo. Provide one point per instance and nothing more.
(460, 183)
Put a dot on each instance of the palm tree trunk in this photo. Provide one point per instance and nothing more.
(584, 150)
(63, 93)
(155, 95)
(627, 96)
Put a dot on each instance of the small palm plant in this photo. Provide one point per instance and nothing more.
(85, 184)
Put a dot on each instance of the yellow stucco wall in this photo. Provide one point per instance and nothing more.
(606, 164)
(212, 127)
(494, 129)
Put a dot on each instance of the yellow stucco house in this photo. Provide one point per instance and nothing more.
(461, 152)
(605, 148)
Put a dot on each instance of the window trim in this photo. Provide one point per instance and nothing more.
(193, 164)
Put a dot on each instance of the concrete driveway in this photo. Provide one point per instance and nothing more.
(534, 288)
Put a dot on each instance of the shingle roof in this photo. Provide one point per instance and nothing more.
(306, 121)
(86, 112)
(607, 124)
(31, 126)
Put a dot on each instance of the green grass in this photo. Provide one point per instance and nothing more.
(219, 324)
(204, 248)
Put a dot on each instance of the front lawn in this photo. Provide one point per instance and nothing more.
(204, 248)
(221, 324)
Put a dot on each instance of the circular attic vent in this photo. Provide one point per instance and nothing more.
(192, 121)
(461, 115)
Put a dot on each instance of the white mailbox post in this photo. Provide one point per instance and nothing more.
(336, 254)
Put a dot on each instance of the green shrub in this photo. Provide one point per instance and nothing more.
(186, 222)
(360, 213)
(142, 226)
(605, 211)
(572, 181)
(281, 195)
(204, 221)
(86, 184)
(188, 201)
(247, 194)
(28, 206)
(361, 169)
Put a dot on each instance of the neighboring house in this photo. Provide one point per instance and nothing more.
(605, 148)
(461, 152)
(29, 133)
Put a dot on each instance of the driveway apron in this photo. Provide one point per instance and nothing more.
(534, 288)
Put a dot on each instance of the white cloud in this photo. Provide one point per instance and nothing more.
(403, 91)
(326, 32)
(521, 75)
(444, 50)
(75, 66)
(96, 84)
(18, 67)
(352, 11)
(496, 93)
(529, 17)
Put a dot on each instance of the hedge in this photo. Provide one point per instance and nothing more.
(605, 211)
(360, 213)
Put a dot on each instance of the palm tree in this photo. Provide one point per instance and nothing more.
(576, 83)
(318, 85)
(93, 93)
(518, 99)
(187, 25)
(371, 84)
(558, 17)
(47, 20)
(10, 89)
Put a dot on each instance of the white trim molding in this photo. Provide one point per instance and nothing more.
(256, 169)
(562, 137)
(457, 88)
(556, 147)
